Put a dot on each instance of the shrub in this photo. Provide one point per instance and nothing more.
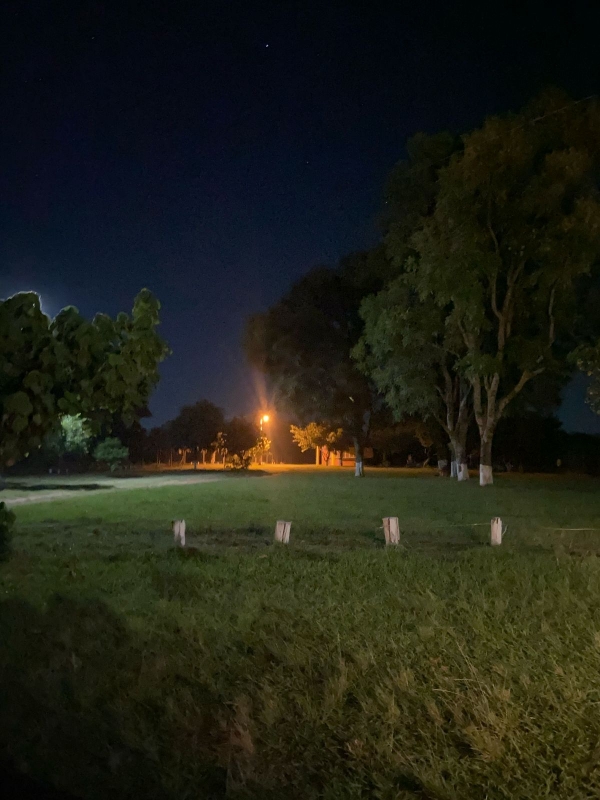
(110, 451)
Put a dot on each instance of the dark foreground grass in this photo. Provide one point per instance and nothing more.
(329, 669)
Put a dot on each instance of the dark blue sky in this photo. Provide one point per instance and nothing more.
(215, 151)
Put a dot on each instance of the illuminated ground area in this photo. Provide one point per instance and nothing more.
(331, 668)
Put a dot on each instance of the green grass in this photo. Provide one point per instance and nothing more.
(332, 668)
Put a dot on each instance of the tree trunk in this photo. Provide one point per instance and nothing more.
(459, 467)
(486, 476)
(340, 458)
(317, 452)
(359, 471)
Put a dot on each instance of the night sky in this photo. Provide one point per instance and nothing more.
(216, 151)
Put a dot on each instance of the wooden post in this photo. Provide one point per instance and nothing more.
(391, 530)
(282, 531)
(496, 532)
(178, 526)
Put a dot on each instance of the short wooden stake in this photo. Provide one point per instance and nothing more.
(179, 532)
(391, 530)
(496, 531)
(282, 531)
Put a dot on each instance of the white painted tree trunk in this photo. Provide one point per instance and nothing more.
(463, 472)
(486, 475)
(496, 537)
(359, 470)
(179, 532)
(391, 530)
(453, 469)
(282, 531)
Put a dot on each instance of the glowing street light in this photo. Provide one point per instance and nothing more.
(263, 418)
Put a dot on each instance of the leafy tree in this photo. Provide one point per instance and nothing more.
(72, 437)
(241, 437)
(303, 344)
(110, 451)
(196, 426)
(261, 449)
(315, 436)
(69, 366)
(516, 222)
(413, 357)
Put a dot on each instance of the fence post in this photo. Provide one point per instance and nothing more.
(282, 531)
(179, 532)
(391, 530)
(496, 532)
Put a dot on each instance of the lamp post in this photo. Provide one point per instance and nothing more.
(263, 418)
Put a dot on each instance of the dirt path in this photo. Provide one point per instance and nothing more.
(127, 485)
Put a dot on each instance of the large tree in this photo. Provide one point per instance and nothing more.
(196, 426)
(303, 344)
(413, 357)
(407, 349)
(516, 222)
(69, 365)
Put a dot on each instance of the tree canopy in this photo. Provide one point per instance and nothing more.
(516, 222)
(303, 344)
(69, 365)
(196, 426)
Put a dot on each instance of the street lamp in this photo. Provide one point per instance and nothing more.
(263, 418)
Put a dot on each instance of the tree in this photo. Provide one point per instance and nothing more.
(69, 366)
(240, 436)
(72, 436)
(110, 451)
(196, 426)
(261, 449)
(516, 222)
(315, 436)
(303, 345)
(413, 357)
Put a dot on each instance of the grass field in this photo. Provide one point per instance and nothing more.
(331, 668)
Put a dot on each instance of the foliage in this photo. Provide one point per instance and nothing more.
(260, 449)
(241, 437)
(303, 344)
(516, 222)
(315, 435)
(413, 357)
(7, 520)
(110, 451)
(311, 674)
(72, 437)
(196, 426)
(70, 366)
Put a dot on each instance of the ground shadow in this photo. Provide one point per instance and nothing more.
(71, 706)
(16, 785)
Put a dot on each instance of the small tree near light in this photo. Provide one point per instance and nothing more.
(110, 451)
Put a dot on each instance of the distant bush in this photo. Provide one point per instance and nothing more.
(110, 451)
(7, 519)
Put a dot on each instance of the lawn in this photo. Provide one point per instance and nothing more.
(330, 668)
